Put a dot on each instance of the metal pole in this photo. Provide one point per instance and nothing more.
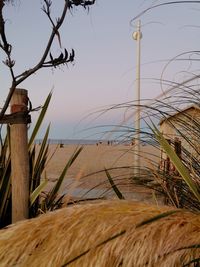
(137, 35)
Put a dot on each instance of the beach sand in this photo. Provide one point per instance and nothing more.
(86, 178)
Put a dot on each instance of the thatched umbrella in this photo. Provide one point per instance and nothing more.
(106, 233)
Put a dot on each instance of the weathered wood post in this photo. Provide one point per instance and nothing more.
(19, 157)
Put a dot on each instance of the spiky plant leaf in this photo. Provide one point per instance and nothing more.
(35, 194)
(5, 187)
(38, 166)
(43, 151)
(40, 119)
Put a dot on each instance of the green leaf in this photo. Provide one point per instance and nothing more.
(43, 151)
(40, 161)
(35, 194)
(40, 119)
(114, 187)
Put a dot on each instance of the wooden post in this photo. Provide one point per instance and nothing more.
(19, 159)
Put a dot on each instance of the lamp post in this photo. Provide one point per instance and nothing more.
(137, 35)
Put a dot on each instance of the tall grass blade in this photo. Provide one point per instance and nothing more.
(114, 187)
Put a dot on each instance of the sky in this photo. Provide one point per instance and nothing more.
(104, 71)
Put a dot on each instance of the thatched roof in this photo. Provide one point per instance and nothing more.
(179, 112)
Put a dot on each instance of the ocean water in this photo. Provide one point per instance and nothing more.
(76, 141)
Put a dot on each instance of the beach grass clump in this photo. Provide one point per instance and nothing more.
(105, 233)
(173, 175)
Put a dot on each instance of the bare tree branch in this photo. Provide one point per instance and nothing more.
(55, 29)
(63, 58)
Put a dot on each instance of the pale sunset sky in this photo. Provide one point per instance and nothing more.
(103, 73)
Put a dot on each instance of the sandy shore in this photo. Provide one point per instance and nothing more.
(87, 178)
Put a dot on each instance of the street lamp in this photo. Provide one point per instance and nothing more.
(137, 35)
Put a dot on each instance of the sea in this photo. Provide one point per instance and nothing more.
(77, 141)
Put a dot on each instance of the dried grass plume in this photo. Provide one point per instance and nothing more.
(103, 234)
